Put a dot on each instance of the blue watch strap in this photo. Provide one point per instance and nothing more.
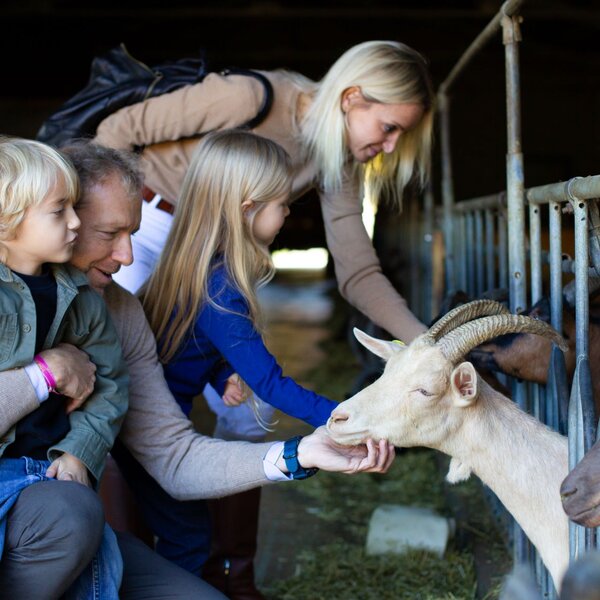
(290, 455)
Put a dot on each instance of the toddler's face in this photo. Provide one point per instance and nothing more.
(46, 234)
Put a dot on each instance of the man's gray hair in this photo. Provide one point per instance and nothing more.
(95, 164)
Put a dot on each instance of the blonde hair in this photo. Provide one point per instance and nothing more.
(29, 170)
(228, 168)
(387, 72)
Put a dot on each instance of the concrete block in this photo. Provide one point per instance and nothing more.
(395, 529)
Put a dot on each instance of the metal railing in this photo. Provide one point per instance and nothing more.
(485, 247)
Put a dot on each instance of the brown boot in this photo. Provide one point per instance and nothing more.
(230, 567)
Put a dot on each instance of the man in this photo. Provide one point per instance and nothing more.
(186, 464)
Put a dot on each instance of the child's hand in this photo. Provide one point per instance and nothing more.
(69, 468)
(233, 394)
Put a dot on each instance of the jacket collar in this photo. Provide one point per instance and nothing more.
(66, 274)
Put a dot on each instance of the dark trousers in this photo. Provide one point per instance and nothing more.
(148, 576)
(52, 533)
(182, 527)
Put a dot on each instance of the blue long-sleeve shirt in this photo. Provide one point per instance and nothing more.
(226, 342)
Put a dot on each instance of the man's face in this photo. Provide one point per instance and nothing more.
(108, 218)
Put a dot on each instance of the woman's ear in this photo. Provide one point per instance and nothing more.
(350, 96)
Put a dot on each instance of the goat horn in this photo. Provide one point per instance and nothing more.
(463, 314)
(457, 343)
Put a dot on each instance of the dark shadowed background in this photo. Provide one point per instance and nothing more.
(47, 46)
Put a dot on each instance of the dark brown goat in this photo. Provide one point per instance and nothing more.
(528, 356)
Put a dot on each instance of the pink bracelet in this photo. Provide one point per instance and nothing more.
(46, 372)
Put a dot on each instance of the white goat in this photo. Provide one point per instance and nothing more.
(423, 398)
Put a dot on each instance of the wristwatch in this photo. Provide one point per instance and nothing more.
(290, 455)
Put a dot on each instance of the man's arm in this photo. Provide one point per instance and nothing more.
(189, 465)
(17, 398)
(161, 438)
(74, 375)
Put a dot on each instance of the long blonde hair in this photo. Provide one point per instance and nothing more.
(387, 72)
(228, 168)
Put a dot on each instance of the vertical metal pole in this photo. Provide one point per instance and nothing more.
(515, 191)
(461, 251)
(535, 244)
(490, 262)
(514, 168)
(479, 254)
(558, 392)
(581, 406)
(555, 220)
(502, 251)
(427, 245)
(447, 190)
(414, 250)
(535, 249)
(469, 243)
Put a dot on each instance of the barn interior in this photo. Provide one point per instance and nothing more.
(48, 45)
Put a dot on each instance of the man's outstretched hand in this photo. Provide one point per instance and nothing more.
(319, 450)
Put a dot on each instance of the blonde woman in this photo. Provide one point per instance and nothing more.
(367, 123)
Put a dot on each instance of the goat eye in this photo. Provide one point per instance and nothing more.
(424, 392)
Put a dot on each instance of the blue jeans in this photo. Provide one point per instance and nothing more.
(101, 579)
(182, 527)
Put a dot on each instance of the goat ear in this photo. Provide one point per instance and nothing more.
(463, 383)
(381, 348)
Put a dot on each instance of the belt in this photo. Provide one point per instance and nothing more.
(148, 195)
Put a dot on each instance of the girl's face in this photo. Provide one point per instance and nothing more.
(46, 234)
(372, 127)
(269, 219)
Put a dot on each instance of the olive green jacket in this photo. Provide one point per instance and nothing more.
(81, 319)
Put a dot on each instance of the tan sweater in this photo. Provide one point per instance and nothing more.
(186, 464)
(160, 124)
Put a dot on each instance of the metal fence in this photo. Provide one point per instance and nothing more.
(496, 241)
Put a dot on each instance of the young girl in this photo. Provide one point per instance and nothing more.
(201, 300)
(41, 305)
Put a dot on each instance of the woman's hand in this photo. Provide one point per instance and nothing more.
(319, 450)
(234, 394)
(69, 468)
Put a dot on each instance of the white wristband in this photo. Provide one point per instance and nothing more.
(37, 381)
